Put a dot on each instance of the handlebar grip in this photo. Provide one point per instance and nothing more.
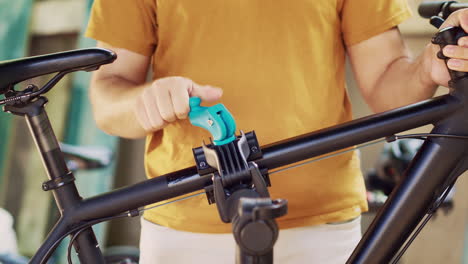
(450, 36)
(430, 9)
(440, 8)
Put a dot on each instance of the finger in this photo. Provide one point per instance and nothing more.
(463, 19)
(452, 21)
(458, 18)
(205, 92)
(180, 101)
(439, 72)
(456, 52)
(163, 99)
(463, 42)
(458, 65)
(141, 115)
(156, 122)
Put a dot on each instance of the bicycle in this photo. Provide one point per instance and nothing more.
(79, 158)
(234, 167)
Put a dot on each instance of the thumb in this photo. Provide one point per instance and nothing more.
(457, 19)
(206, 93)
(464, 19)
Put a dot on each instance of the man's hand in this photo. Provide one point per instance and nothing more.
(395, 78)
(125, 105)
(167, 100)
(458, 54)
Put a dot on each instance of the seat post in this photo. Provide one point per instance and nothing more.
(61, 181)
(62, 186)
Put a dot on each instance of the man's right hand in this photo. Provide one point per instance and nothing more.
(166, 100)
(125, 105)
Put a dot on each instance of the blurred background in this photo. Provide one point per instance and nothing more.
(35, 27)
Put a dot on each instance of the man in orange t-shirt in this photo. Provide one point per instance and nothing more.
(279, 68)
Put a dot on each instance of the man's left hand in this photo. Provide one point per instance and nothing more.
(458, 54)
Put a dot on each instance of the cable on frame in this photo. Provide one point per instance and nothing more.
(424, 136)
(78, 229)
(422, 224)
(131, 213)
(421, 136)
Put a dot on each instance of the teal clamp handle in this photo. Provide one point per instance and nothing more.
(216, 119)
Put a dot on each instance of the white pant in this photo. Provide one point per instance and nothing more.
(323, 244)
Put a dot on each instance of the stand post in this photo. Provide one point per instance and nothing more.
(255, 229)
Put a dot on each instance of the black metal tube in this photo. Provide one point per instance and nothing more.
(283, 153)
(244, 258)
(141, 194)
(52, 158)
(87, 248)
(48, 247)
(357, 132)
(457, 6)
(410, 201)
(435, 8)
(439, 162)
(66, 196)
(86, 253)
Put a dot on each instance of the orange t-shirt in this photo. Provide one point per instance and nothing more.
(281, 66)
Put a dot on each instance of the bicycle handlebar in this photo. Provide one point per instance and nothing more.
(439, 8)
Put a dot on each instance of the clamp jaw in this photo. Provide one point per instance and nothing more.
(233, 171)
(229, 159)
(215, 119)
(239, 187)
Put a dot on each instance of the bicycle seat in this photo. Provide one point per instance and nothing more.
(15, 71)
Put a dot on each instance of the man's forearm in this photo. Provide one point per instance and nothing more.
(113, 99)
(405, 81)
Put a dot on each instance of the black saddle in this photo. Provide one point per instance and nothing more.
(15, 71)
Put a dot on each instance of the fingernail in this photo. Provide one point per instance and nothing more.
(454, 63)
(449, 50)
(462, 42)
(465, 19)
(220, 91)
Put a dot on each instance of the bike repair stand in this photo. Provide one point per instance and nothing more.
(239, 187)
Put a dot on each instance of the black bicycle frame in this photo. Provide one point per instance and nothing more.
(437, 165)
(440, 160)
